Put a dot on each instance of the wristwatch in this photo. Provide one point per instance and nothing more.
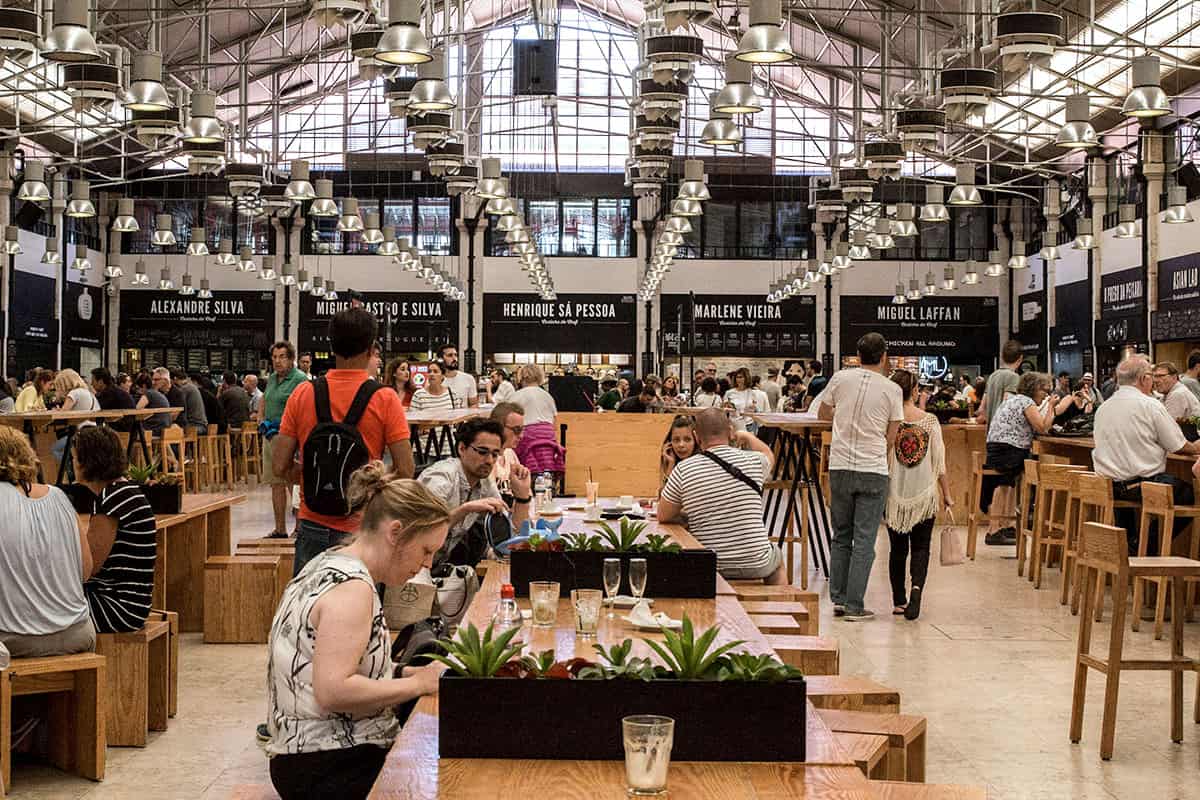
(522, 500)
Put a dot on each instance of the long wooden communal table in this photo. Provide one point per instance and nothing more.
(185, 541)
(1079, 450)
(414, 771)
(31, 422)
(438, 426)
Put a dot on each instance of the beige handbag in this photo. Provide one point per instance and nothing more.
(409, 604)
(953, 551)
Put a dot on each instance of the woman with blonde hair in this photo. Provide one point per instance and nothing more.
(538, 449)
(33, 396)
(44, 560)
(330, 683)
(75, 395)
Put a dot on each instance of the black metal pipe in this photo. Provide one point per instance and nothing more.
(286, 223)
(1145, 184)
(469, 353)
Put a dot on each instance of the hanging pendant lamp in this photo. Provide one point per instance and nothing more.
(765, 41)
(402, 41)
(185, 286)
(1146, 98)
(70, 40)
(205, 292)
(693, 187)
(51, 256)
(81, 205)
(898, 298)
(12, 240)
(1018, 259)
(371, 232)
(112, 266)
(246, 261)
(225, 256)
(971, 276)
(964, 192)
(350, 221)
(934, 209)
(738, 96)
(164, 280)
(1084, 238)
(33, 188)
(430, 92)
(1128, 226)
(930, 287)
(140, 278)
(948, 282)
(323, 205)
(720, 130)
(299, 188)
(1177, 210)
(163, 236)
(125, 221)
(203, 127)
(1077, 132)
(197, 243)
(146, 91)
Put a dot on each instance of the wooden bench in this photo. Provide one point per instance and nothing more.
(275, 543)
(775, 623)
(889, 790)
(867, 750)
(139, 683)
(852, 693)
(756, 591)
(905, 734)
(76, 710)
(814, 655)
(254, 791)
(798, 611)
(172, 620)
(241, 594)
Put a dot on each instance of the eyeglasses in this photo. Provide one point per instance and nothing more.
(517, 429)
(1158, 375)
(483, 452)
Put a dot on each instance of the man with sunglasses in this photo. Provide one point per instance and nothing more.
(465, 483)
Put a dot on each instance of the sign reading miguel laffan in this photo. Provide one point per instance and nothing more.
(966, 330)
(409, 322)
(741, 325)
(152, 318)
(1122, 308)
(571, 323)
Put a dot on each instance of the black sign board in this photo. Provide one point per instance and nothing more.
(1073, 318)
(1179, 282)
(409, 322)
(1175, 324)
(1031, 322)
(152, 318)
(1122, 309)
(83, 315)
(965, 330)
(741, 325)
(571, 323)
(32, 308)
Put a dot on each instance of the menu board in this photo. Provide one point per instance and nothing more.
(153, 318)
(1122, 309)
(32, 308)
(741, 325)
(1031, 326)
(1073, 318)
(571, 323)
(409, 322)
(83, 315)
(1179, 282)
(964, 330)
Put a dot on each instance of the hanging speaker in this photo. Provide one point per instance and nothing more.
(29, 215)
(535, 67)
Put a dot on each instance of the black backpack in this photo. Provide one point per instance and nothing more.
(334, 450)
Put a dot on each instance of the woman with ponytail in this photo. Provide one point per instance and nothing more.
(330, 671)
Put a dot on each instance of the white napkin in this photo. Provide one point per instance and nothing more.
(641, 616)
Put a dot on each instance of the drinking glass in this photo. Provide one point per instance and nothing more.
(593, 489)
(612, 582)
(587, 611)
(543, 599)
(648, 741)
(637, 577)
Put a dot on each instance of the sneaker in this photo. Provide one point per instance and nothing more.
(1003, 536)
(262, 733)
(839, 610)
(277, 535)
(914, 604)
(857, 616)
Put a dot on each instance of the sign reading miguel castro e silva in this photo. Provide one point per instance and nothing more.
(743, 325)
(570, 323)
(408, 321)
(966, 330)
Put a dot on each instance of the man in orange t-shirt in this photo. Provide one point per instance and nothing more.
(352, 335)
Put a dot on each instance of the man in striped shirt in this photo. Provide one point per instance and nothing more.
(718, 492)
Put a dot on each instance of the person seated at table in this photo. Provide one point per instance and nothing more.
(120, 535)
(642, 401)
(235, 403)
(112, 397)
(670, 391)
(213, 411)
(75, 396)
(465, 485)
(398, 377)
(1072, 405)
(124, 382)
(8, 402)
(330, 688)
(795, 395)
(499, 387)
(33, 394)
(538, 448)
(44, 560)
(512, 421)
(720, 492)
(149, 397)
(1134, 434)
(708, 396)
(1009, 442)
(680, 443)
(436, 394)
(193, 416)
(610, 395)
(1176, 397)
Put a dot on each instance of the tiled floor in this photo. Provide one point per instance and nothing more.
(989, 663)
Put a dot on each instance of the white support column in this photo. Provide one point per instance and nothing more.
(1154, 168)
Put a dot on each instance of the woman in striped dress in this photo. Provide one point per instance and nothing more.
(436, 395)
(120, 536)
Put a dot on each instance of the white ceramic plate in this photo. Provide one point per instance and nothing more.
(628, 601)
(675, 625)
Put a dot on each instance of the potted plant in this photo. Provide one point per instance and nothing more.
(731, 705)
(1190, 427)
(163, 492)
(576, 561)
(947, 410)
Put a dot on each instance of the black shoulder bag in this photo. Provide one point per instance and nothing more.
(732, 470)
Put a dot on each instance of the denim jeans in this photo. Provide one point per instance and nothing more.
(312, 539)
(857, 503)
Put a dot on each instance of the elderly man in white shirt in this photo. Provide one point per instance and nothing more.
(1134, 434)
(1178, 399)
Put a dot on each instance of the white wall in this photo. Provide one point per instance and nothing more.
(1178, 240)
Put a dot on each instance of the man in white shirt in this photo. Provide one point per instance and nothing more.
(1178, 400)
(463, 384)
(1134, 433)
(866, 410)
(773, 388)
(1191, 378)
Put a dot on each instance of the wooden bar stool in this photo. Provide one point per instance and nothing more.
(823, 468)
(1027, 501)
(1104, 550)
(1051, 520)
(974, 515)
(191, 461)
(1092, 501)
(1158, 505)
(250, 457)
(171, 450)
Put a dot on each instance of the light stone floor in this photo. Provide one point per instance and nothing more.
(989, 664)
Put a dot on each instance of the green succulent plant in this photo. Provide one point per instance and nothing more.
(478, 656)
(538, 664)
(624, 540)
(690, 658)
(617, 664)
(579, 541)
(658, 543)
(762, 667)
(141, 473)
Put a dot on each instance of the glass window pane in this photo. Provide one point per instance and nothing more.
(433, 225)
(720, 230)
(399, 214)
(935, 240)
(791, 228)
(757, 239)
(579, 228)
(613, 228)
(542, 219)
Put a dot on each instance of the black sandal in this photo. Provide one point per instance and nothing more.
(913, 610)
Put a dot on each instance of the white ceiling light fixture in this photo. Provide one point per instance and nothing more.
(971, 276)
(1027, 37)
(859, 251)
(841, 257)
(203, 127)
(205, 292)
(765, 41)
(914, 290)
(146, 91)
(12, 240)
(371, 232)
(81, 205)
(185, 286)
(1018, 259)
(1077, 132)
(70, 41)
(125, 221)
(738, 96)
(491, 186)
(302, 281)
(51, 256)
(140, 278)
(324, 205)
(966, 91)
(318, 286)
(164, 279)
(948, 282)
(508, 223)
(502, 206)
(686, 208)
(246, 261)
(934, 208)
(903, 225)
(197, 243)
(20, 35)
(267, 273)
(287, 274)
(995, 267)
(965, 192)
(720, 130)
(81, 263)
(1049, 251)
(882, 239)
(33, 188)
(1177, 210)
(1128, 226)
(350, 221)
(693, 186)
(1146, 98)
(898, 299)
(677, 225)
(402, 42)
(225, 256)
(930, 285)
(299, 188)
(112, 266)
(430, 92)
(164, 235)
(1084, 238)
(387, 246)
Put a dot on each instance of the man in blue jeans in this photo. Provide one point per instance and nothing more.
(866, 409)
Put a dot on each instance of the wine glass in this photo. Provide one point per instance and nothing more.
(612, 582)
(637, 577)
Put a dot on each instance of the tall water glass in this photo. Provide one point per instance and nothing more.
(637, 577)
(543, 600)
(648, 741)
(612, 582)
(587, 611)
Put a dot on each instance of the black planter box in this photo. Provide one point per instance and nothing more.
(163, 499)
(573, 719)
(687, 573)
(1189, 431)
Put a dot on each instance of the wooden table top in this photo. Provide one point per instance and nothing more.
(1089, 443)
(85, 416)
(796, 421)
(193, 506)
(442, 416)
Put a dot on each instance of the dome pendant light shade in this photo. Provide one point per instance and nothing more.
(225, 256)
(70, 41)
(934, 209)
(112, 266)
(995, 267)
(12, 240)
(1177, 211)
(267, 273)
(883, 234)
(964, 192)
(185, 286)
(371, 233)
(33, 188)
(841, 258)
(1084, 239)
(80, 205)
(140, 278)
(318, 286)
(81, 262)
(164, 279)
(903, 225)
(898, 298)
(1146, 98)
(388, 247)
(914, 290)
(51, 255)
(197, 244)
(203, 127)
(737, 96)
(859, 251)
(350, 221)
(678, 225)
(331, 290)
(430, 92)
(1018, 259)
(163, 235)
(693, 187)
(491, 186)
(507, 223)
(1050, 252)
(323, 206)
(246, 261)
(948, 282)
(971, 276)
(125, 221)
(686, 208)
(287, 274)
(146, 91)
(1128, 226)
(299, 188)
(930, 287)
(402, 42)
(720, 130)
(1077, 132)
(205, 292)
(765, 42)
(302, 281)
